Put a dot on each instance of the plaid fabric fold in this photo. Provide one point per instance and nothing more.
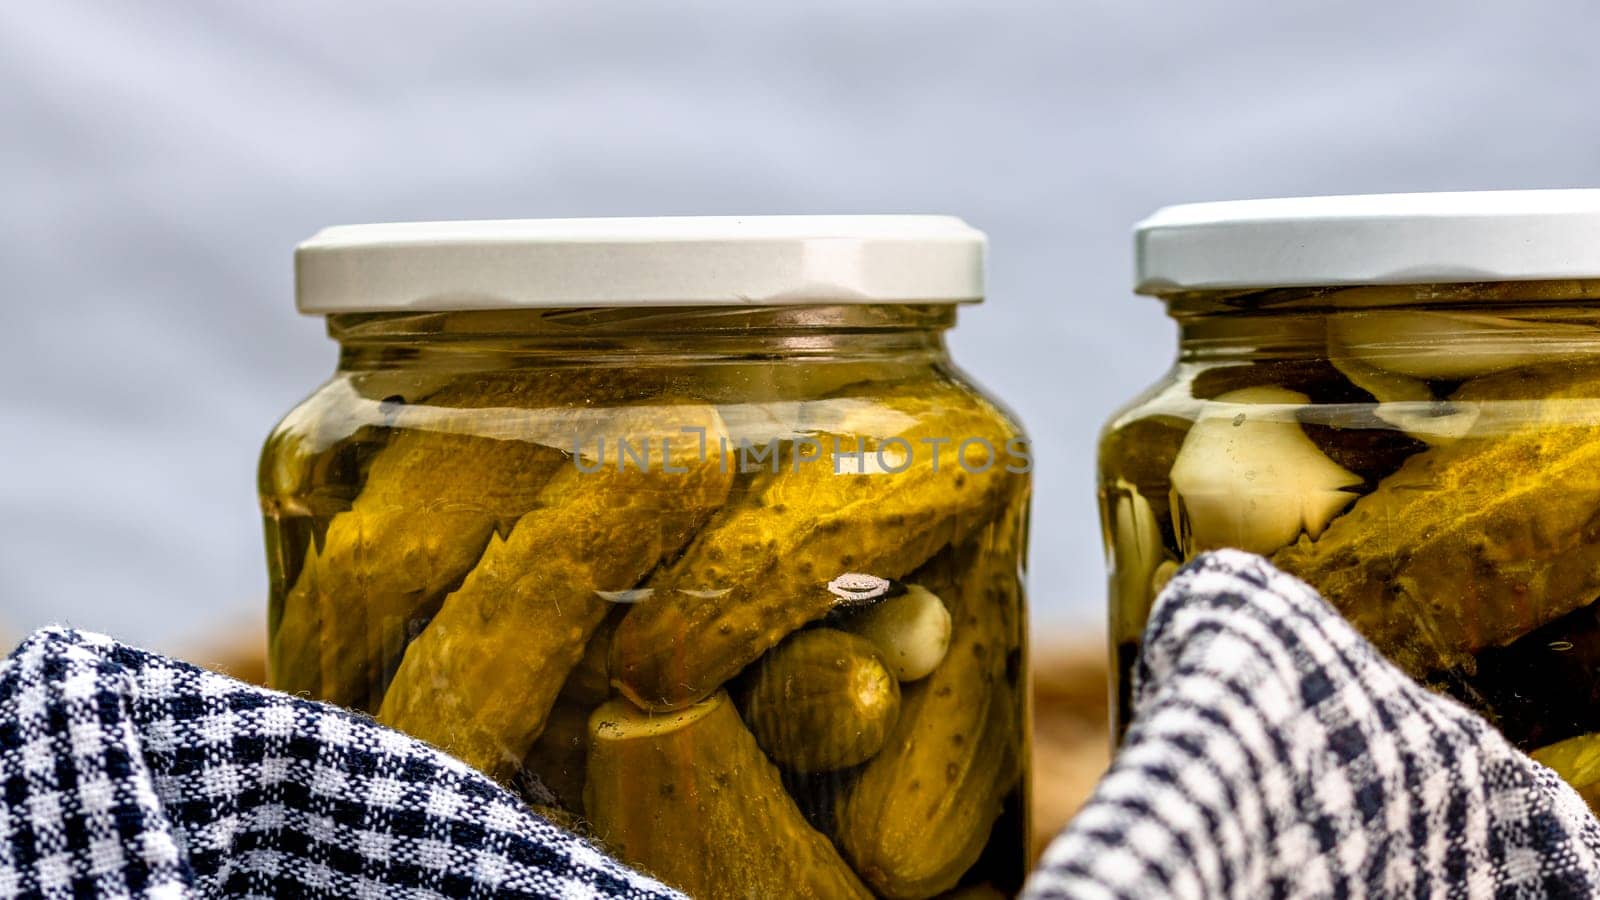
(128, 774)
(1275, 753)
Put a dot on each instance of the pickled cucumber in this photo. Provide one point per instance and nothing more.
(920, 812)
(822, 700)
(429, 505)
(480, 678)
(759, 569)
(1471, 544)
(689, 798)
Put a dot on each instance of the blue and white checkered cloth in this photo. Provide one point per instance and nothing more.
(1274, 753)
(127, 774)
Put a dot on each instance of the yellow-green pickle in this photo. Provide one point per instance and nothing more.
(1425, 453)
(734, 589)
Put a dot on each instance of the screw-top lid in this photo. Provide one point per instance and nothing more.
(1370, 239)
(689, 261)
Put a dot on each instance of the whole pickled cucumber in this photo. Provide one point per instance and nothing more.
(822, 700)
(760, 568)
(1470, 544)
(480, 678)
(431, 500)
(920, 813)
(689, 797)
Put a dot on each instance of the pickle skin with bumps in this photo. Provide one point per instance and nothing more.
(758, 570)
(432, 498)
(689, 797)
(822, 700)
(920, 812)
(480, 679)
(387, 560)
(1473, 543)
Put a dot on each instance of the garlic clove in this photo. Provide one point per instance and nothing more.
(1452, 345)
(1247, 476)
(1405, 402)
(1139, 553)
(912, 631)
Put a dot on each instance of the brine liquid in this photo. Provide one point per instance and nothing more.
(1433, 474)
(570, 581)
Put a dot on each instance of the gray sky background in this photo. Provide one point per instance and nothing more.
(158, 161)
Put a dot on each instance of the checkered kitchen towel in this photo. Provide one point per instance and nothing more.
(1274, 753)
(127, 774)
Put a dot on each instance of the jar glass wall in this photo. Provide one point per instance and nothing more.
(736, 591)
(1425, 456)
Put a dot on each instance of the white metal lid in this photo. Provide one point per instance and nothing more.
(1370, 239)
(684, 261)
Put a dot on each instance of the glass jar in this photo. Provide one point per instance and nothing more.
(1424, 452)
(688, 530)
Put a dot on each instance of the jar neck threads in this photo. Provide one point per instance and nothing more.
(630, 336)
(1553, 320)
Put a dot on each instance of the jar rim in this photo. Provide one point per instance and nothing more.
(663, 261)
(1370, 239)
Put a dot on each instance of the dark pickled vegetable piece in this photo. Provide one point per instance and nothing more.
(1475, 542)
(1512, 684)
(1316, 378)
(590, 681)
(688, 797)
(553, 771)
(1371, 448)
(480, 678)
(1141, 453)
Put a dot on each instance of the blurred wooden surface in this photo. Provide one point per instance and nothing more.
(1071, 744)
(1071, 733)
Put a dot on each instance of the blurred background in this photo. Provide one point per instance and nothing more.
(160, 160)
